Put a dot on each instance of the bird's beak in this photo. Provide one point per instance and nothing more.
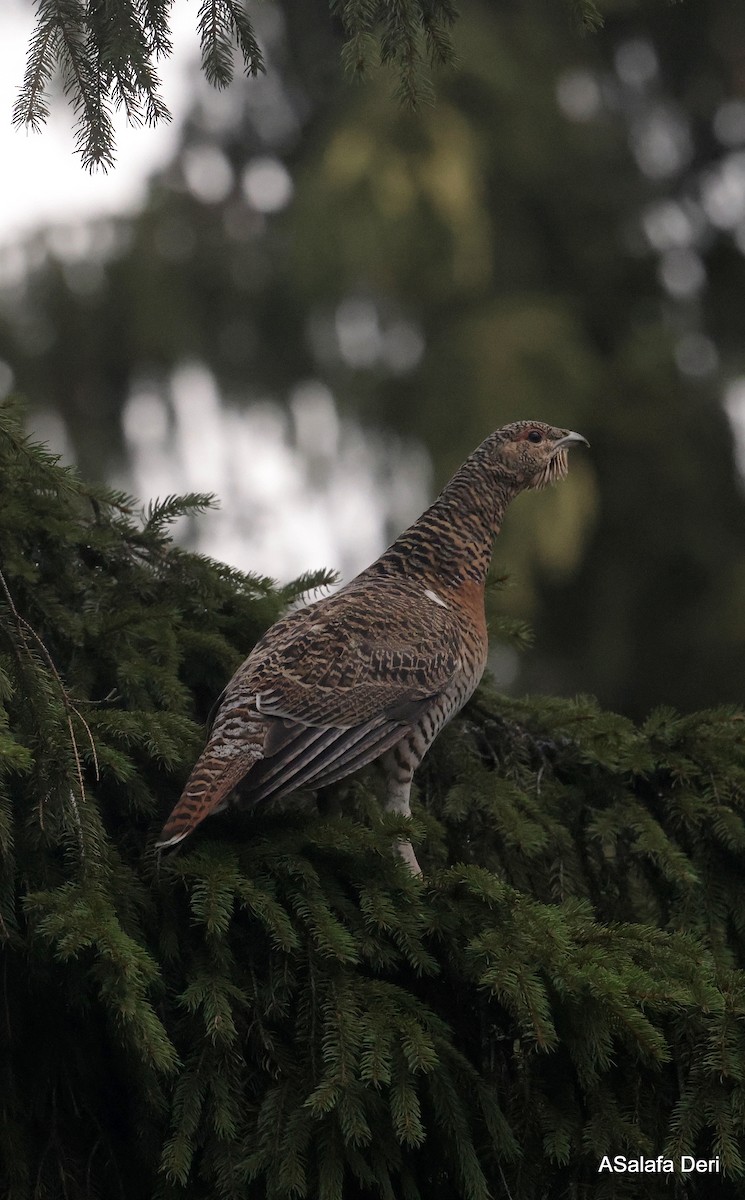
(570, 439)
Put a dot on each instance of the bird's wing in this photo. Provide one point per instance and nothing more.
(338, 685)
(344, 662)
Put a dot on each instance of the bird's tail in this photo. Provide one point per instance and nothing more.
(206, 792)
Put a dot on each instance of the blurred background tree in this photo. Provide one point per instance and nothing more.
(334, 298)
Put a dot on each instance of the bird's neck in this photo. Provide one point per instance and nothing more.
(452, 541)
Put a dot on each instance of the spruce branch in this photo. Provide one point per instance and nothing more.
(107, 52)
(124, 47)
(160, 513)
(155, 17)
(31, 107)
(37, 458)
(85, 85)
(587, 15)
(253, 59)
(26, 631)
(215, 26)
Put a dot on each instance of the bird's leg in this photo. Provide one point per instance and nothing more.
(398, 802)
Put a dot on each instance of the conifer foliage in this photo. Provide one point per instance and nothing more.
(279, 1010)
(107, 52)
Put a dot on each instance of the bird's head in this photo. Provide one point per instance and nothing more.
(535, 454)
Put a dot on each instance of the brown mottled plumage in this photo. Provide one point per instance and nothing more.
(377, 669)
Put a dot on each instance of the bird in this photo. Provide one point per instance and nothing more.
(376, 669)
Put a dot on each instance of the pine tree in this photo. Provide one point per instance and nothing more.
(280, 1010)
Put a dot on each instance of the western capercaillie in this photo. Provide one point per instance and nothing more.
(375, 670)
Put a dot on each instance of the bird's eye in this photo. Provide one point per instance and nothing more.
(535, 436)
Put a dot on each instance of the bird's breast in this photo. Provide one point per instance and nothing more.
(468, 598)
(466, 601)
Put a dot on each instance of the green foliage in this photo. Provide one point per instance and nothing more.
(107, 51)
(222, 24)
(280, 1009)
(405, 35)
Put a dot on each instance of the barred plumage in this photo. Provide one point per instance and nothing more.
(376, 669)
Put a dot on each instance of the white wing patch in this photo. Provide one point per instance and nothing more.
(437, 599)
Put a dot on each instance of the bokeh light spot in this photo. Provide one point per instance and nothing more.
(267, 185)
